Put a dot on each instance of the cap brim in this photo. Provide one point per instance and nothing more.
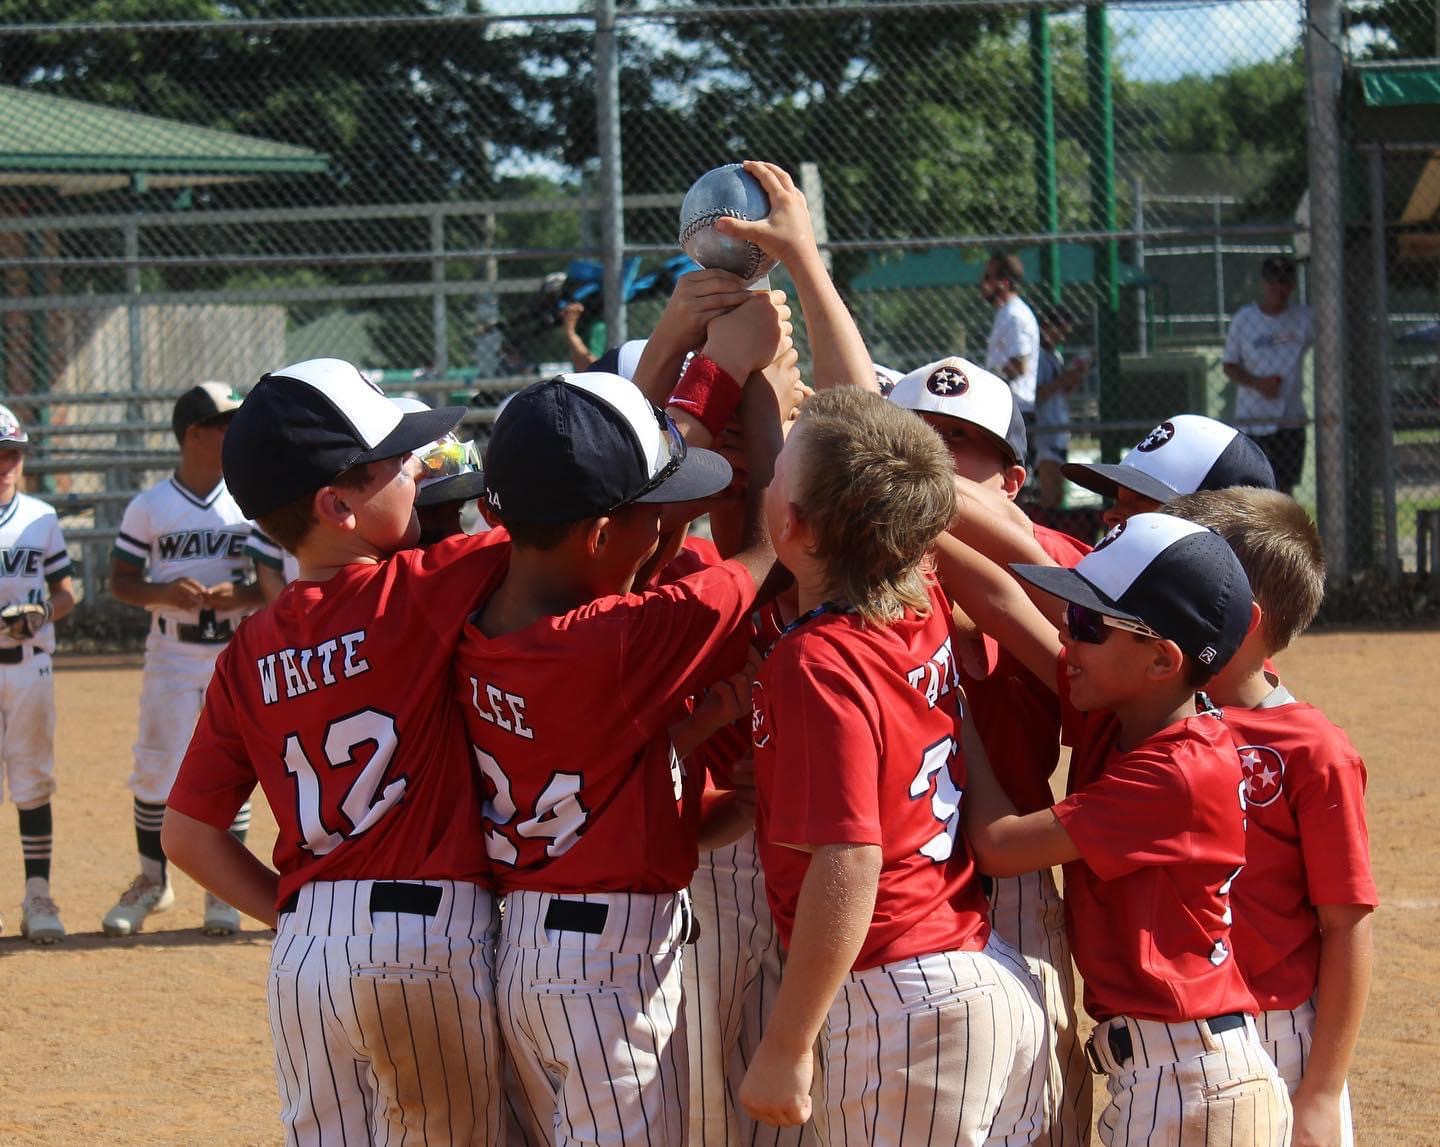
(1103, 478)
(413, 431)
(1064, 583)
(703, 473)
(456, 488)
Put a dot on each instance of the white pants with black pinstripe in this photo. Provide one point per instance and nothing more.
(384, 1024)
(1028, 914)
(948, 1048)
(1186, 1086)
(593, 1021)
(1287, 1036)
(731, 977)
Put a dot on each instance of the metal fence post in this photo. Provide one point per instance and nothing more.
(1047, 196)
(612, 217)
(439, 310)
(1327, 248)
(1380, 300)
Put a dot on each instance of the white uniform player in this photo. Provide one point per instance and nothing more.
(180, 554)
(34, 586)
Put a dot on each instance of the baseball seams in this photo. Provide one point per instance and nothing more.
(385, 1023)
(1185, 1084)
(1028, 914)
(731, 977)
(1287, 1036)
(755, 258)
(951, 1041)
(593, 1022)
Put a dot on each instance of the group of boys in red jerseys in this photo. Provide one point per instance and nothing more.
(543, 716)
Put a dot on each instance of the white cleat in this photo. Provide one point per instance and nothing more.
(137, 902)
(40, 921)
(221, 919)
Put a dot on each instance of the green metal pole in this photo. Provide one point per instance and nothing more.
(1102, 212)
(1047, 196)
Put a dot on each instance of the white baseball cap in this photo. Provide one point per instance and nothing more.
(12, 434)
(957, 388)
(1183, 454)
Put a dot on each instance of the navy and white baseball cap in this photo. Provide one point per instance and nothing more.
(300, 427)
(957, 388)
(203, 403)
(1182, 580)
(886, 378)
(580, 445)
(12, 434)
(1183, 454)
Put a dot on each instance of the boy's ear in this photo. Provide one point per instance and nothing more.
(1257, 615)
(597, 536)
(1166, 661)
(332, 508)
(1012, 478)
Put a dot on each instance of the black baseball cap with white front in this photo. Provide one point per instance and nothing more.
(1182, 580)
(1183, 454)
(580, 445)
(301, 427)
(957, 388)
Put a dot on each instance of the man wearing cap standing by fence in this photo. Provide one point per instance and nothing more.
(1263, 356)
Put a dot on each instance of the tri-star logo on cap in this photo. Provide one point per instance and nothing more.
(1156, 438)
(948, 381)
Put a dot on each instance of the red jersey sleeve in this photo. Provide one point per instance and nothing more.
(1329, 806)
(1136, 815)
(669, 639)
(216, 777)
(825, 789)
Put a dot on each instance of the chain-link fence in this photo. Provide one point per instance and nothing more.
(210, 191)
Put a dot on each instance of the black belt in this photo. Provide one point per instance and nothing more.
(208, 632)
(1122, 1049)
(582, 916)
(390, 896)
(16, 654)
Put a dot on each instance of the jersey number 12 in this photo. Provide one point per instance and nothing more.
(360, 805)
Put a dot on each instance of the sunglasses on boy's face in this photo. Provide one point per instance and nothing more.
(1092, 628)
(447, 458)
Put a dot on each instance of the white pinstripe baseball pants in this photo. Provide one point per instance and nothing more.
(948, 1048)
(1185, 1086)
(384, 1022)
(1287, 1036)
(731, 976)
(1028, 914)
(592, 1021)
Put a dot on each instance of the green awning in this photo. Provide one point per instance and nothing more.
(1401, 87)
(44, 133)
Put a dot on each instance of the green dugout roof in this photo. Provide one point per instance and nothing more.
(51, 134)
(947, 267)
(1402, 86)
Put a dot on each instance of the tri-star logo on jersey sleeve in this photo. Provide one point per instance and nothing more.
(1264, 771)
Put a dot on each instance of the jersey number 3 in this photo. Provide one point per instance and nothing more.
(360, 805)
(934, 780)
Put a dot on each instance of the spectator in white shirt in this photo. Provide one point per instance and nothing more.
(1013, 350)
(1263, 357)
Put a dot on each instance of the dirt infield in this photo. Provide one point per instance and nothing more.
(163, 1039)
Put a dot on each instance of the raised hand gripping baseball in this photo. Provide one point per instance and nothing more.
(786, 233)
(24, 620)
(751, 336)
(699, 298)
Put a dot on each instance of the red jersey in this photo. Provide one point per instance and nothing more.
(1161, 835)
(1016, 714)
(856, 734)
(336, 699)
(569, 722)
(1306, 844)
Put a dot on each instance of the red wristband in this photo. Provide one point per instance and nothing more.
(706, 393)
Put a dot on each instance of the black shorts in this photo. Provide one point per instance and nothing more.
(1286, 451)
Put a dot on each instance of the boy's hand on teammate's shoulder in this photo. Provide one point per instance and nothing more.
(699, 298)
(185, 593)
(786, 233)
(776, 1089)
